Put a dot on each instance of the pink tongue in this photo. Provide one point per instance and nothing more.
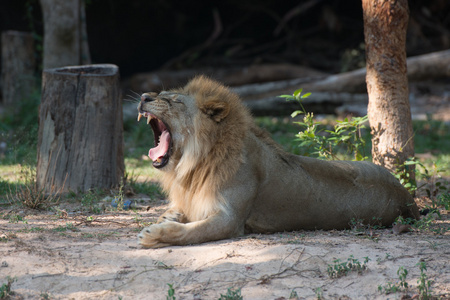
(162, 148)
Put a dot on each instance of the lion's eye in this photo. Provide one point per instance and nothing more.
(177, 100)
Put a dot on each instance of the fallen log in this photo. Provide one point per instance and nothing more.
(428, 66)
(321, 102)
(235, 76)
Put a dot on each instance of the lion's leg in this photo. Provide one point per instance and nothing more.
(219, 226)
(171, 214)
(226, 223)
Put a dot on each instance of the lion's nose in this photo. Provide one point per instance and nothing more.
(148, 97)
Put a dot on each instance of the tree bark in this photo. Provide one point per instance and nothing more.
(65, 36)
(80, 142)
(385, 24)
(18, 66)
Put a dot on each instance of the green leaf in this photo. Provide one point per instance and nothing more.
(296, 113)
(287, 97)
(306, 95)
(297, 92)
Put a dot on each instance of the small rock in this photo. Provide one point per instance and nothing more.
(400, 228)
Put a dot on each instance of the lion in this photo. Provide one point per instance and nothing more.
(225, 177)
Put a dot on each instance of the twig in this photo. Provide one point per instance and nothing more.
(46, 275)
(100, 221)
(299, 9)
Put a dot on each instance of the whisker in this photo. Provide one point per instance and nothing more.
(138, 95)
(133, 98)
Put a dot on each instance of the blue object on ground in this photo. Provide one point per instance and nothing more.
(126, 204)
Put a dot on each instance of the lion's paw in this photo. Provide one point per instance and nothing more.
(150, 237)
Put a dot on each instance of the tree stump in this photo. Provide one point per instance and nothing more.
(18, 66)
(80, 143)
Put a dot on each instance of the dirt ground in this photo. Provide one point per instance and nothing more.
(73, 256)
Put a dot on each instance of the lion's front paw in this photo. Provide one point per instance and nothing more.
(150, 237)
(159, 235)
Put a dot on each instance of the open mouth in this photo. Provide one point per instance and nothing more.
(161, 152)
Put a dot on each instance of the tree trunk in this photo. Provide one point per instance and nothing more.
(65, 36)
(18, 66)
(385, 24)
(80, 142)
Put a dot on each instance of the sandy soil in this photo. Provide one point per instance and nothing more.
(59, 256)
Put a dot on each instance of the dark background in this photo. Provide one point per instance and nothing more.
(142, 36)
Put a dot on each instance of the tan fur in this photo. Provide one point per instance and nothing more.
(226, 176)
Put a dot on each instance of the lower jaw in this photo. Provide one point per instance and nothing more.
(162, 163)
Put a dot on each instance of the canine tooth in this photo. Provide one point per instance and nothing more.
(158, 160)
(148, 119)
(139, 117)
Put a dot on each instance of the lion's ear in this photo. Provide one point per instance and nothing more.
(216, 110)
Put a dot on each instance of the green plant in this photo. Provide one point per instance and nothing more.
(37, 229)
(346, 134)
(339, 268)
(434, 186)
(68, 226)
(319, 293)
(5, 289)
(402, 273)
(404, 175)
(423, 283)
(399, 286)
(389, 288)
(90, 202)
(232, 294)
(119, 197)
(13, 218)
(44, 296)
(293, 295)
(170, 292)
(427, 223)
(443, 200)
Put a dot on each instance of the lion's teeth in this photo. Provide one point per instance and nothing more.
(139, 117)
(158, 160)
(148, 119)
